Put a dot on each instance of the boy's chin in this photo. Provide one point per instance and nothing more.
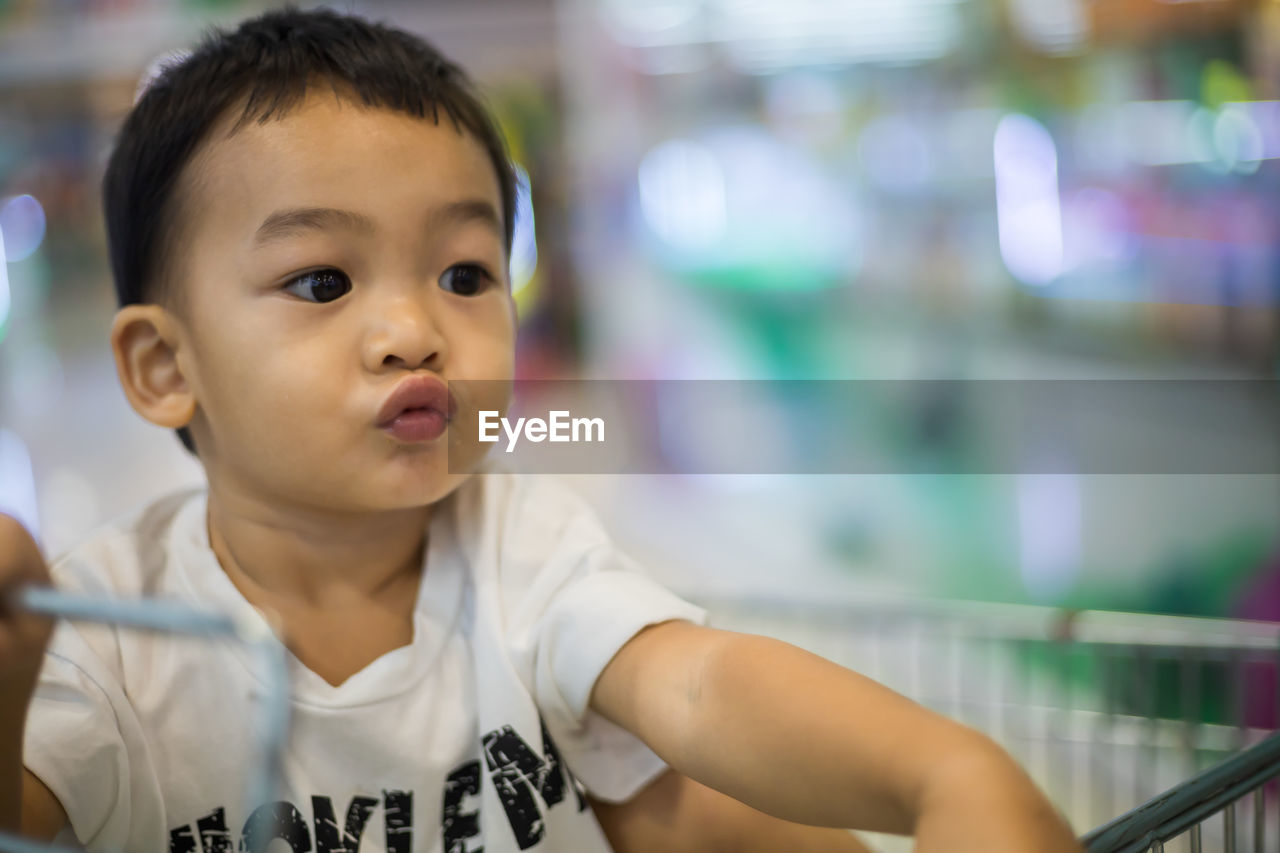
(416, 495)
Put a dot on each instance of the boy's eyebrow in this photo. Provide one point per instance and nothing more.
(287, 223)
(469, 210)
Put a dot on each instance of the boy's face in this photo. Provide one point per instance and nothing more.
(386, 260)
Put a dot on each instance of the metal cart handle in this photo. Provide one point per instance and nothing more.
(176, 618)
(1186, 805)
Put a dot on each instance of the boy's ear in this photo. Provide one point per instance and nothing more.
(145, 340)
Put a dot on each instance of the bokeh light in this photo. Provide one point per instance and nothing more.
(17, 484)
(735, 206)
(896, 154)
(1027, 202)
(35, 380)
(682, 194)
(5, 299)
(1050, 528)
(524, 239)
(22, 222)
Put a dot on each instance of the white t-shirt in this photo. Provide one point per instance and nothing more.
(456, 743)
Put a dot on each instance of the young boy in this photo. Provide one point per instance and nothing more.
(309, 220)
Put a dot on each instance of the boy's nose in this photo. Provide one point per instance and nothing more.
(405, 334)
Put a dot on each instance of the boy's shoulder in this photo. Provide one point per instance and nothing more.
(129, 555)
(531, 514)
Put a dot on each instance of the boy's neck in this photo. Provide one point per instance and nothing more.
(299, 559)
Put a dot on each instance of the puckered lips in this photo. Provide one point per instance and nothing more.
(418, 409)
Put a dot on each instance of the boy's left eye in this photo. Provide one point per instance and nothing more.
(464, 279)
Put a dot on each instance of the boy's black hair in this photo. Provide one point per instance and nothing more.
(268, 62)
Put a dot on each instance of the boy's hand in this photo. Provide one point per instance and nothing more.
(23, 636)
(24, 802)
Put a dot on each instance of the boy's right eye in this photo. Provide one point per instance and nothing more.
(320, 285)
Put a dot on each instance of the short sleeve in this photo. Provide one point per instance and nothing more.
(75, 747)
(575, 602)
(594, 616)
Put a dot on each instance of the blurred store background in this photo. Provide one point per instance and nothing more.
(795, 189)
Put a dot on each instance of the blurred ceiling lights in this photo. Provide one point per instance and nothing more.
(765, 35)
(1052, 26)
(1236, 137)
(736, 206)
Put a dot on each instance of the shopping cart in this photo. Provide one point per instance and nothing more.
(272, 730)
(1123, 718)
(1145, 726)
(1183, 809)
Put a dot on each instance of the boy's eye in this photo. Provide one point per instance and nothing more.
(464, 279)
(320, 285)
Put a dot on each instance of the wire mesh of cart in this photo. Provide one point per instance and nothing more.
(1124, 719)
(1157, 730)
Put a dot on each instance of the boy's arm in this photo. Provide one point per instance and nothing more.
(25, 803)
(805, 740)
(675, 814)
(42, 814)
(36, 812)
